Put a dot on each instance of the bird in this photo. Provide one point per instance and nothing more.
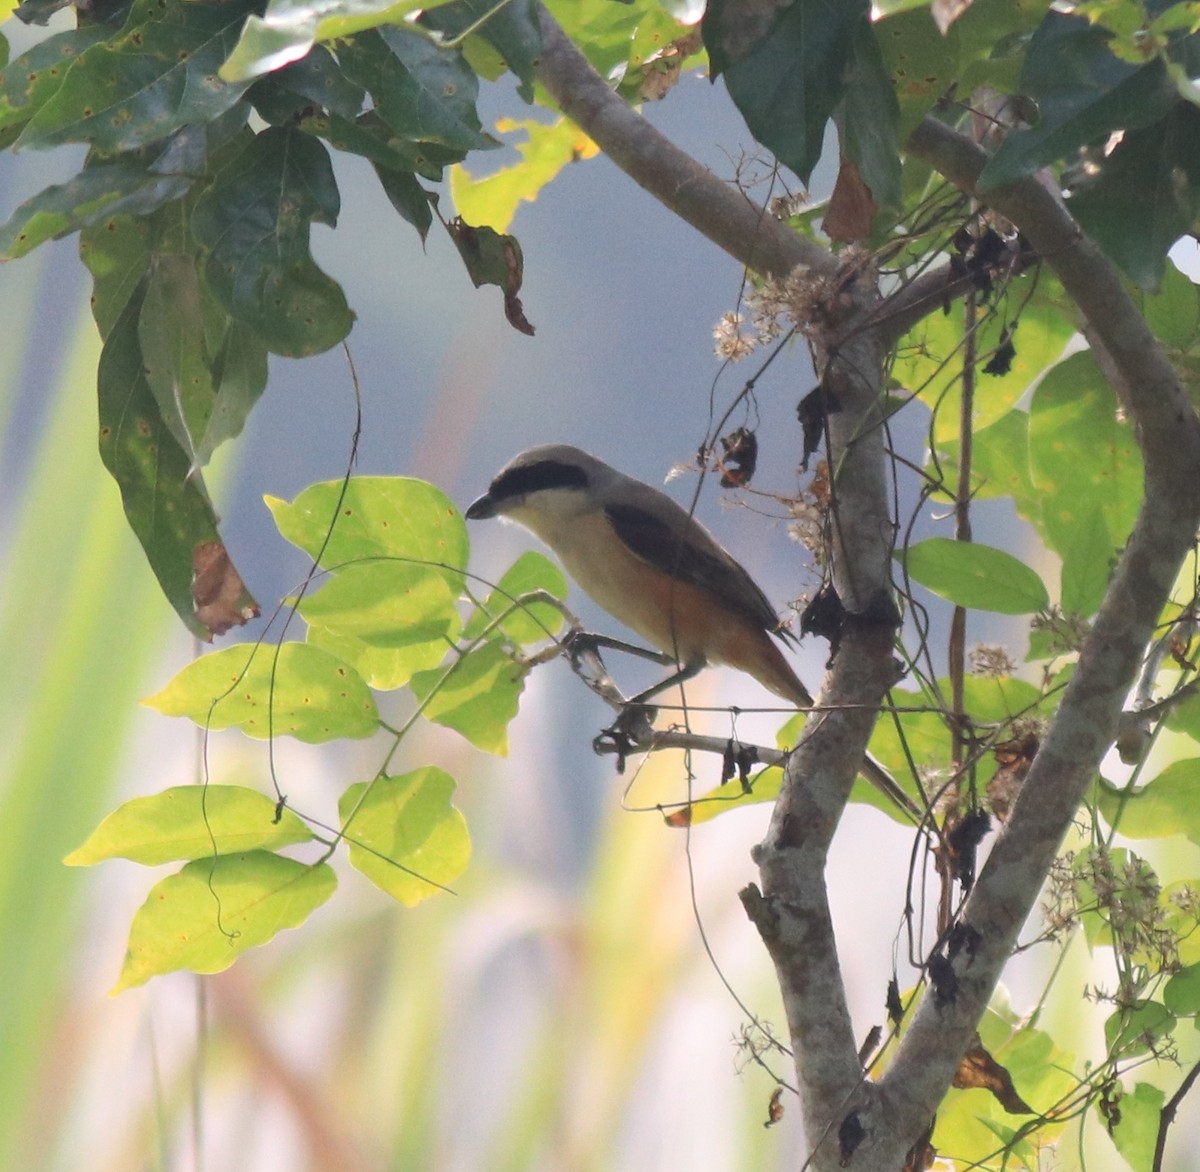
(648, 563)
(656, 569)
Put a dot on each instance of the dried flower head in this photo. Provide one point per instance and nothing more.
(990, 659)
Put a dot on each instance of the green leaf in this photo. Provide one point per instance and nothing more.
(254, 222)
(404, 834)
(379, 517)
(978, 577)
(387, 604)
(791, 80)
(1083, 94)
(870, 117)
(407, 196)
(29, 81)
(921, 63)
(288, 29)
(1134, 1029)
(165, 502)
(999, 463)
(930, 362)
(729, 795)
(316, 79)
(512, 29)
(1181, 994)
(1167, 805)
(1174, 312)
(494, 199)
(532, 622)
(117, 254)
(174, 352)
(424, 93)
(105, 189)
(145, 83)
(393, 535)
(307, 693)
(190, 822)
(1088, 556)
(1136, 1133)
(407, 611)
(239, 367)
(1082, 457)
(477, 696)
(383, 668)
(1146, 195)
(205, 917)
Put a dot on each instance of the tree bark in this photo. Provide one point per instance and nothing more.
(851, 1122)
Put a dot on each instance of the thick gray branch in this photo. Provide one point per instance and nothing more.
(791, 910)
(713, 207)
(1086, 722)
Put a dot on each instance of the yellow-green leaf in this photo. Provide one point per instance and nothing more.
(190, 822)
(494, 199)
(477, 698)
(531, 622)
(404, 834)
(308, 694)
(380, 518)
(203, 918)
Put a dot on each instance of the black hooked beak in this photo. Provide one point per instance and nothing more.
(481, 509)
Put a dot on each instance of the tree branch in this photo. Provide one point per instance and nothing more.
(715, 209)
(1086, 722)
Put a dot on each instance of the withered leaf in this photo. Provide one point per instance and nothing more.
(812, 411)
(493, 258)
(851, 208)
(220, 596)
(1002, 357)
(922, 1154)
(740, 458)
(979, 1070)
(1014, 758)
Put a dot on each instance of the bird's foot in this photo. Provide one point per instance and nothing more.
(627, 733)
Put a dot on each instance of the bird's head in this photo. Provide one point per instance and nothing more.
(551, 482)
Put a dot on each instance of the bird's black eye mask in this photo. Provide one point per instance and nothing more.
(534, 477)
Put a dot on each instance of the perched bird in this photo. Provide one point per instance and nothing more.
(655, 569)
(645, 561)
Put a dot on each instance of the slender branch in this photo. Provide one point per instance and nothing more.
(1167, 1116)
(713, 207)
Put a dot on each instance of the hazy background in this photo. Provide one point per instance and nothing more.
(560, 1012)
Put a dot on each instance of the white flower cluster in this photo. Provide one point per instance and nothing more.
(990, 659)
(729, 340)
(798, 301)
(807, 526)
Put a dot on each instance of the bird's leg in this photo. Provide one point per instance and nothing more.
(582, 649)
(634, 726)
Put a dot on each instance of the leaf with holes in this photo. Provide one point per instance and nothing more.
(107, 189)
(145, 83)
(254, 223)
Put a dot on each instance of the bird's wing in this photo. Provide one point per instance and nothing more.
(695, 559)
